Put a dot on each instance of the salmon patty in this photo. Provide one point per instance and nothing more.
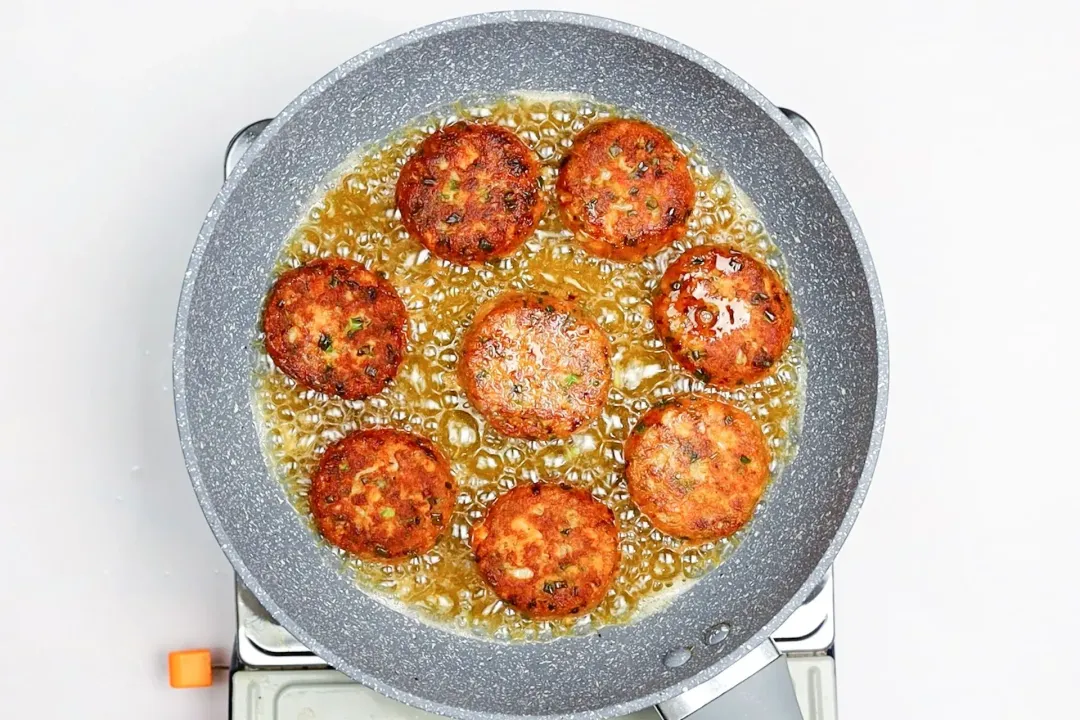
(625, 189)
(548, 550)
(726, 317)
(382, 494)
(535, 365)
(696, 467)
(471, 192)
(336, 327)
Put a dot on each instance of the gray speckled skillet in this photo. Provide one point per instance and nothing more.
(808, 511)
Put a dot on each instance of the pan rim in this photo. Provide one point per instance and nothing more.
(552, 17)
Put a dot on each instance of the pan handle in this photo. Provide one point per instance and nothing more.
(758, 687)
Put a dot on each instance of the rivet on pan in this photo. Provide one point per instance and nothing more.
(676, 657)
(717, 634)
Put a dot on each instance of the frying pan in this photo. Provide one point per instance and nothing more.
(808, 510)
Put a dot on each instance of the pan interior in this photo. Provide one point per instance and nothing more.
(300, 581)
(355, 218)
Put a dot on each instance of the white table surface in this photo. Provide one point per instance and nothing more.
(953, 131)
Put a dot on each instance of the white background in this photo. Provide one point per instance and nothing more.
(952, 127)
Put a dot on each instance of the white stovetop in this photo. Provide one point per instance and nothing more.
(951, 126)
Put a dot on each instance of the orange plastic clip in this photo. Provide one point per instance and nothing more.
(190, 669)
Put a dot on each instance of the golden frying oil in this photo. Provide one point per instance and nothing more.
(356, 218)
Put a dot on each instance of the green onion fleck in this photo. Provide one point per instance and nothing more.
(744, 460)
(387, 513)
(355, 325)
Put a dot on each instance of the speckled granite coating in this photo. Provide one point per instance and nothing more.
(808, 511)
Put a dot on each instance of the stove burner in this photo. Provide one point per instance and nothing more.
(276, 678)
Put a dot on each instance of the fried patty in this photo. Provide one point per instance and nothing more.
(471, 192)
(535, 365)
(696, 467)
(548, 550)
(625, 189)
(382, 494)
(726, 317)
(336, 327)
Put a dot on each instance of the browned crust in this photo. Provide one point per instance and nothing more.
(336, 327)
(548, 550)
(535, 365)
(382, 494)
(696, 467)
(471, 192)
(724, 316)
(625, 190)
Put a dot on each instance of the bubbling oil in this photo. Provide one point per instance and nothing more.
(355, 217)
